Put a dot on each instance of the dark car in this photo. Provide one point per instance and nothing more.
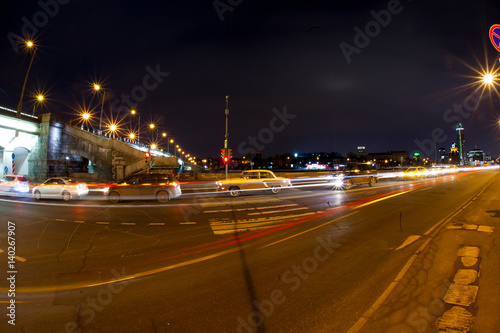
(354, 174)
(145, 186)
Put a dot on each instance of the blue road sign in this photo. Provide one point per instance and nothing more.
(5, 169)
(495, 36)
(13, 156)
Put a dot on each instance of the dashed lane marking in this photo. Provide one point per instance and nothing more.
(156, 223)
(102, 223)
(187, 223)
(128, 223)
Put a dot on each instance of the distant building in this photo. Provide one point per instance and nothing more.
(461, 143)
(475, 157)
(392, 158)
(362, 153)
(443, 156)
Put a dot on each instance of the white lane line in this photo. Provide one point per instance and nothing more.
(226, 226)
(102, 222)
(187, 223)
(79, 221)
(408, 241)
(279, 211)
(156, 223)
(218, 211)
(60, 220)
(127, 223)
(246, 209)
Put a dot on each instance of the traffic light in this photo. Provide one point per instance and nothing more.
(226, 159)
(147, 155)
(222, 152)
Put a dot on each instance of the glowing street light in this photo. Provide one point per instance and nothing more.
(134, 112)
(39, 99)
(152, 126)
(98, 88)
(153, 146)
(488, 78)
(131, 136)
(29, 45)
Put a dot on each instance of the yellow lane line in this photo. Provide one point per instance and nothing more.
(384, 198)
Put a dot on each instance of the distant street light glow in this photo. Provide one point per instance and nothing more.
(488, 78)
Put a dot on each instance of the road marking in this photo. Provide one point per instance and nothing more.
(408, 241)
(79, 221)
(17, 257)
(236, 202)
(156, 223)
(220, 227)
(127, 223)
(384, 198)
(102, 222)
(249, 208)
(303, 232)
(60, 220)
(279, 211)
(187, 223)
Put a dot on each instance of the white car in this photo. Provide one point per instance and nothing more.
(64, 188)
(253, 180)
(14, 184)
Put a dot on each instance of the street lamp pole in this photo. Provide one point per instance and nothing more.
(227, 133)
(102, 108)
(19, 106)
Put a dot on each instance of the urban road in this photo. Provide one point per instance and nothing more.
(308, 259)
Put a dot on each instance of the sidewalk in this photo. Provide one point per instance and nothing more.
(452, 286)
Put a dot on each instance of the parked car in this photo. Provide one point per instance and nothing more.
(354, 174)
(145, 186)
(414, 173)
(14, 184)
(64, 188)
(253, 180)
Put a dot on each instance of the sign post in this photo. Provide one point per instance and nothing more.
(13, 164)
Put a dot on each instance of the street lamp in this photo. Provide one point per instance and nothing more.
(29, 45)
(134, 112)
(39, 99)
(168, 145)
(97, 88)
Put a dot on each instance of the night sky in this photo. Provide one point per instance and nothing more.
(283, 64)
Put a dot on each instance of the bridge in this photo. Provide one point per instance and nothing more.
(47, 146)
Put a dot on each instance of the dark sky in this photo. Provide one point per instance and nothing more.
(281, 55)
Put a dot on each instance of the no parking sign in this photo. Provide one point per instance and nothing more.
(495, 36)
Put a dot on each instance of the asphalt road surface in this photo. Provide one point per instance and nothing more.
(305, 260)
